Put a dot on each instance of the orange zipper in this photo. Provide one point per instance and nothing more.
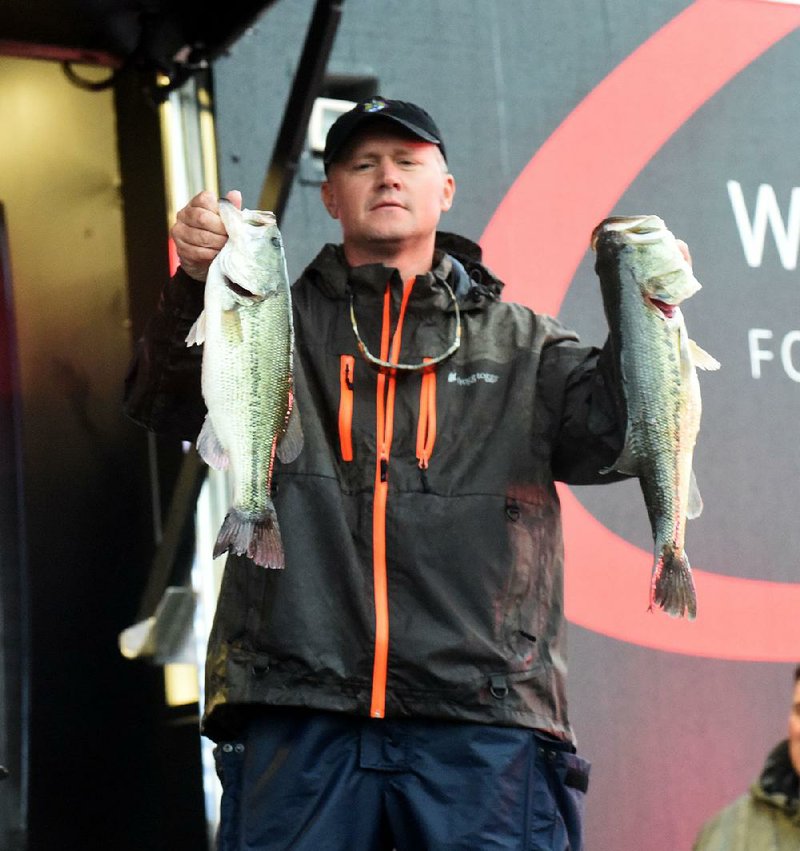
(384, 428)
(346, 367)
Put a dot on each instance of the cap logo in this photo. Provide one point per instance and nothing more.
(374, 105)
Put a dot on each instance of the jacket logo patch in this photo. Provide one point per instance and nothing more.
(488, 377)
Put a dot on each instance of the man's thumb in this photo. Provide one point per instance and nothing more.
(235, 197)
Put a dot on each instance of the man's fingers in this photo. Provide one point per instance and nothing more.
(201, 219)
(206, 200)
(200, 235)
(198, 232)
(194, 254)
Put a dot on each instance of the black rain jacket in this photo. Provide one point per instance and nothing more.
(473, 541)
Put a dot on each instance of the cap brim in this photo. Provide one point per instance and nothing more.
(371, 118)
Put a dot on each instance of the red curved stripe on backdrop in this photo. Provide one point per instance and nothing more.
(607, 587)
(540, 233)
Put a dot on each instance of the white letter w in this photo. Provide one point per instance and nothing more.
(787, 236)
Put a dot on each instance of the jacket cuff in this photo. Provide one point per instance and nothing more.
(183, 296)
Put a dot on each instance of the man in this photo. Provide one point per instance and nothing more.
(767, 818)
(401, 683)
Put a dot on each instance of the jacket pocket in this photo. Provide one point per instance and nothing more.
(346, 367)
(558, 787)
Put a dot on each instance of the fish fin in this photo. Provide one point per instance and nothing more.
(210, 448)
(672, 585)
(626, 462)
(694, 507)
(232, 325)
(291, 443)
(197, 333)
(702, 359)
(257, 536)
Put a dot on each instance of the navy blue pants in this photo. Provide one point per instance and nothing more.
(311, 781)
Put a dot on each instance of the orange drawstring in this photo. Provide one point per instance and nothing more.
(346, 367)
(426, 427)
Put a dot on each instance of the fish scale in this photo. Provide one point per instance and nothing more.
(258, 384)
(655, 410)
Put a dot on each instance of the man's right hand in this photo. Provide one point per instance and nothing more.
(199, 233)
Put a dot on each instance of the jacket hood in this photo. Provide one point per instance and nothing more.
(779, 783)
(457, 260)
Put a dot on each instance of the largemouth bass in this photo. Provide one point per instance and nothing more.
(644, 277)
(247, 336)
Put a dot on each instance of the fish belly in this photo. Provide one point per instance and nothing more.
(652, 382)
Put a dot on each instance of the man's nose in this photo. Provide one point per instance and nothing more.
(389, 173)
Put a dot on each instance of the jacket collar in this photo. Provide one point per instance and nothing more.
(457, 260)
(779, 783)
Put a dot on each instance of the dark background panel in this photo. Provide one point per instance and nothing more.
(14, 607)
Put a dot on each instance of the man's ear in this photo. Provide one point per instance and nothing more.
(329, 200)
(448, 191)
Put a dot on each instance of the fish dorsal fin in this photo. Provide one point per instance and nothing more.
(210, 449)
(197, 333)
(702, 359)
(694, 507)
(291, 443)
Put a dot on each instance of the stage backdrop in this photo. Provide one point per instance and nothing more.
(556, 115)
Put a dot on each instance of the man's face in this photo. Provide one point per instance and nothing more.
(388, 189)
(794, 729)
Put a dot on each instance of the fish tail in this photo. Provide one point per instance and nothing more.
(257, 536)
(672, 585)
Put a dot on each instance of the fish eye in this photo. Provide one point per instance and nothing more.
(276, 241)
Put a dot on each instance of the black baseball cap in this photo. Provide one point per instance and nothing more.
(407, 115)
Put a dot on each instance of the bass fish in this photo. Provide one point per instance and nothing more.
(644, 277)
(247, 383)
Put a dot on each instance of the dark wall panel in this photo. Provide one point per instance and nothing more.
(14, 610)
(107, 765)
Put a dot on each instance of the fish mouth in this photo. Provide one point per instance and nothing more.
(667, 309)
